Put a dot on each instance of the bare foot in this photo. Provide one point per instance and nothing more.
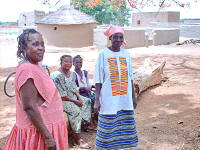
(92, 128)
(84, 145)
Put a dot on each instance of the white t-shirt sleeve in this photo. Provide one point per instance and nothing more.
(130, 67)
(99, 71)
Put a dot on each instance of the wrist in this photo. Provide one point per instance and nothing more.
(134, 101)
(96, 104)
(78, 97)
(75, 101)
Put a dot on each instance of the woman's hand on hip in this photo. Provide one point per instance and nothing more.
(50, 143)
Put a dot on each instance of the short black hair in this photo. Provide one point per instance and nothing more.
(22, 40)
(77, 56)
(64, 56)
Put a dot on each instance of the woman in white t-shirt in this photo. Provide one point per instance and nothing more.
(115, 96)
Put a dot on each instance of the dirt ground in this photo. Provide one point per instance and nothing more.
(167, 116)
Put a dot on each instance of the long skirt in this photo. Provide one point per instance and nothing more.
(116, 131)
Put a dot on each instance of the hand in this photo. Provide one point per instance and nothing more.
(134, 104)
(96, 107)
(84, 89)
(75, 93)
(79, 103)
(87, 89)
(50, 143)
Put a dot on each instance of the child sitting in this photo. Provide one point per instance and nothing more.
(85, 89)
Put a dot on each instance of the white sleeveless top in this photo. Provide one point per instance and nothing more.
(84, 82)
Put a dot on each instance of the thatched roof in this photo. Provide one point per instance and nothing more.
(66, 16)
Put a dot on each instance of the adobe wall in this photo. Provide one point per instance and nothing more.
(173, 17)
(133, 37)
(29, 18)
(164, 36)
(26, 19)
(67, 35)
(143, 19)
(100, 39)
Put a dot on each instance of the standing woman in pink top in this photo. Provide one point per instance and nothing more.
(40, 123)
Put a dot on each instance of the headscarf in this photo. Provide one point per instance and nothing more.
(115, 29)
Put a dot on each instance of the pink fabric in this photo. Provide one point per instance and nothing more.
(115, 29)
(24, 135)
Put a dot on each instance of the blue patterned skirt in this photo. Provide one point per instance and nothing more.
(116, 131)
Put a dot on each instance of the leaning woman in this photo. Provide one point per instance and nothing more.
(78, 108)
(115, 96)
(40, 123)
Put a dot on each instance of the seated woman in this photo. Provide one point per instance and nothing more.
(78, 108)
(82, 78)
(82, 81)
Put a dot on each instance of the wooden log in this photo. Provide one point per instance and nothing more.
(147, 76)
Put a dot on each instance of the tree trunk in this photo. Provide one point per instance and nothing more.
(147, 76)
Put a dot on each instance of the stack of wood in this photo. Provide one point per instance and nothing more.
(148, 75)
(193, 41)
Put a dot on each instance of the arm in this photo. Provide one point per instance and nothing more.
(131, 76)
(97, 102)
(89, 87)
(62, 89)
(98, 80)
(77, 95)
(77, 102)
(30, 98)
(86, 89)
(133, 95)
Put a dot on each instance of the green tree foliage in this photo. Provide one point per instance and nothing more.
(116, 11)
(104, 11)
